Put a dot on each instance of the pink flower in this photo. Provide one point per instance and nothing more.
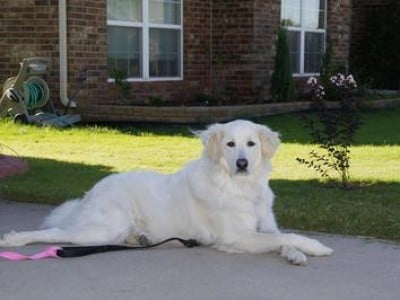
(312, 81)
(351, 82)
(340, 77)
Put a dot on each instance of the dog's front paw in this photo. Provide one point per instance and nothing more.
(293, 255)
(316, 248)
(309, 246)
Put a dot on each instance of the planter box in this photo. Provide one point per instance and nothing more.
(184, 114)
(201, 114)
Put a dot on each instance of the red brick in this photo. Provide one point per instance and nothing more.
(229, 46)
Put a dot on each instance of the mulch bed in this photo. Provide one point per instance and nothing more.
(11, 165)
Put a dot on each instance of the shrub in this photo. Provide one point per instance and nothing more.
(282, 85)
(155, 100)
(333, 129)
(121, 83)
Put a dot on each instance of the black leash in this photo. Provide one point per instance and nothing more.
(77, 251)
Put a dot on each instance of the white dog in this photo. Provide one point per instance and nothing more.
(222, 200)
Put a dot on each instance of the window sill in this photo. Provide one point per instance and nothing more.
(110, 80)
(304, 75)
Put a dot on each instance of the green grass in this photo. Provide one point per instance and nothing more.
(66, 163)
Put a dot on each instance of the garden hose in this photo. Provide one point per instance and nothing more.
(36, 92)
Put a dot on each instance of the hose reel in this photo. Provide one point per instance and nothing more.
(36, 92)
(24, 95)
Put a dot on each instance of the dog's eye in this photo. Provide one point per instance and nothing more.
(230, 144)
(251, 144)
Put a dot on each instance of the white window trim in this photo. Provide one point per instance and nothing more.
(303, 31)
(145, 25)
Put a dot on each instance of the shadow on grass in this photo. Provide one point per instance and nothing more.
(372, 209)
(156, 129)
(379, 127)
(51, 181)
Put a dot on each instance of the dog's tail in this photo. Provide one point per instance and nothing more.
(61, 214)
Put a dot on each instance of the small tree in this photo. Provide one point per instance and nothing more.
(333, 129)
(282, 85)
(121, 83)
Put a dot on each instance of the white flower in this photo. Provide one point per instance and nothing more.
(351, 81)
(312, 81)
(340, 76)
(319, 92)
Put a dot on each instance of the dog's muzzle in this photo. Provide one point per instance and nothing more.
(242, 165)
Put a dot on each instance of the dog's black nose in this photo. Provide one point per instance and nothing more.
(242, 164)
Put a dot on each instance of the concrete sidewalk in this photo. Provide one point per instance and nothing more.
(358, 269)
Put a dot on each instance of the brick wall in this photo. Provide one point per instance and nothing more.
(197, 45)
(232, 35)
(244, 37)
(229, 47)
(338, 30)
(28, 28)
(87, 49)
(266, 21)
(244, 48)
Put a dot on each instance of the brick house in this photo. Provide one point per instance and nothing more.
(171, 49)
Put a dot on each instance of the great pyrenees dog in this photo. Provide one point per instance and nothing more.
(222, 200)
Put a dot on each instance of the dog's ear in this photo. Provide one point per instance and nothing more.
(211, 139)
(269, 141)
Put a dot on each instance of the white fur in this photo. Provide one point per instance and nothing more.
(210, 200)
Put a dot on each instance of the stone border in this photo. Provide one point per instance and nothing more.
(199, 114)
(184, 114)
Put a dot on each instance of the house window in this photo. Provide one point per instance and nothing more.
(145, 38)
(305, 21)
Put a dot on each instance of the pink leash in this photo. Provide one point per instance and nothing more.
(77, 251)
(46, 253)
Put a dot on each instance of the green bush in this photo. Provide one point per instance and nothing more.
(333, 129)
(282, 85)
(121, 83)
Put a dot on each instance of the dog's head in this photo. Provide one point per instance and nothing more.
(240, 147)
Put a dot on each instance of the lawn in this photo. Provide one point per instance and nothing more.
(65, 163)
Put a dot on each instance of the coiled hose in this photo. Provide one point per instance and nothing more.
(36, 92)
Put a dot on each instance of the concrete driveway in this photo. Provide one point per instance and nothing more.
(358, 269)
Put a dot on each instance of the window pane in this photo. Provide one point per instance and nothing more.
(165, 11)
(291, 12)
(124, 10)
(313, 50)
(294, 50)
(124, 44)
(314, 14)
(164, 52)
